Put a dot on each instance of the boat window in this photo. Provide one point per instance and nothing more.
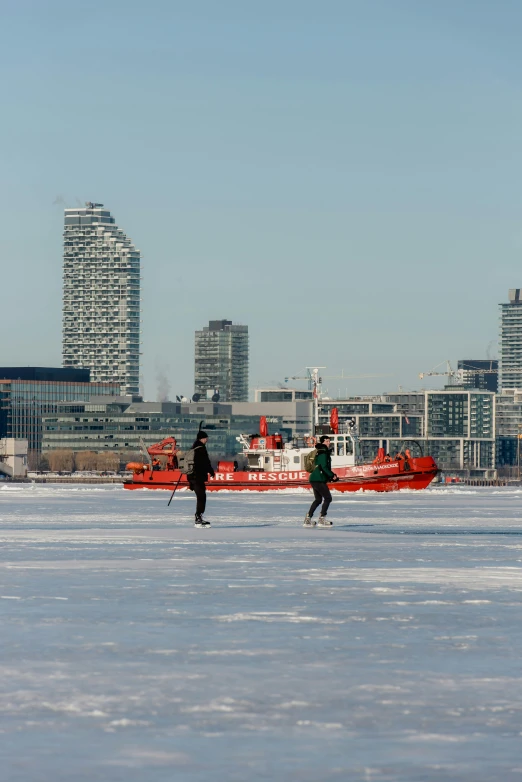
(297, 459)
(340, 447)
(267, 459)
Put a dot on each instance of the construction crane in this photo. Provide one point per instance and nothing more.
(450, 373)
(456, 376)
(310, 377)
(315, 382)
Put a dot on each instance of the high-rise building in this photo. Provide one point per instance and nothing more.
(221, 361)
(101, 298)
(510, 344)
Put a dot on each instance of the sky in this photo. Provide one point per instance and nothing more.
(344, 177)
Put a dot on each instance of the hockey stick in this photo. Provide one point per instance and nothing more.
(175, 487)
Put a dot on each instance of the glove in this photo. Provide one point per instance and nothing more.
(212, 474)
(335, 478)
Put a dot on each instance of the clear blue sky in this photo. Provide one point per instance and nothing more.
(344, 177)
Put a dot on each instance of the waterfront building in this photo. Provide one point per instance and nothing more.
(509, 426)
(510, 343)
(221, 362)
(456, 426)
(377, 421)
(461, 429)
(101, 298)
(28, 393)
(479, 373)
(121, 424)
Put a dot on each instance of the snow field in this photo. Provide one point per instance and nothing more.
(137, 648)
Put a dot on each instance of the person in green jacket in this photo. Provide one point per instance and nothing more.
(320, 476)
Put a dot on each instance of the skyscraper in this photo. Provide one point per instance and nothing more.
(101, 298)
(221, 361)
(510, 343)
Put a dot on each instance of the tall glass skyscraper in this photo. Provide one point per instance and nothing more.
(101, 298)
(221, 361)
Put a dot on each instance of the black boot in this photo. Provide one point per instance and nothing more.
(200, 521)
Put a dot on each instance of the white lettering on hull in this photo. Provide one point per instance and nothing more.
(390, 466)
(277, 476)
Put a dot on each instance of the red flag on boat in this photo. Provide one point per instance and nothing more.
(263, 426)
(334, 420)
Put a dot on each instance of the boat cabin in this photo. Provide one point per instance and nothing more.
(270, 454)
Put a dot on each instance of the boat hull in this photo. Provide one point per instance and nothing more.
(393, 476)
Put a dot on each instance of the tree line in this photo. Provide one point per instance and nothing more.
(65, 460)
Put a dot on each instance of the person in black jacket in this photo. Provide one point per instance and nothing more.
(199, 476)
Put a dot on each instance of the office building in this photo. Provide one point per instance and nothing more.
(28, 393)
(282, 395)
(510, 343)
(121, 424)
(101, 298)
(479, 373)
(221, 362)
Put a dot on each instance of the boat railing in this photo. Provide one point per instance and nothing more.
(243, 440)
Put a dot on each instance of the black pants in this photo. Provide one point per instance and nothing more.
(197, 485)
(321, 494)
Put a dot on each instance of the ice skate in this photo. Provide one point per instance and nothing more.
(200, 521)
(308, 521)
(324, 522)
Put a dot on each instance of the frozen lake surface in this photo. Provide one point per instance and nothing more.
(136, 648)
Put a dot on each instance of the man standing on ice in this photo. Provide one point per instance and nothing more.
(199, 476)
(319, 477)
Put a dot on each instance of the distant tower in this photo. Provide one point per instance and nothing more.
(101, 298)
(510, 343)
(221, 361)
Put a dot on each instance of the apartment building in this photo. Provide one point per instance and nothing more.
(101, 298)
(221, 361)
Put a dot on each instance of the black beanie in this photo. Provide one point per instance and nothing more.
(201, 435)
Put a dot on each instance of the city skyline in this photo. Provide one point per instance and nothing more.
(271, 163)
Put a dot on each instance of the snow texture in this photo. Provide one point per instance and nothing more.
(135, 648)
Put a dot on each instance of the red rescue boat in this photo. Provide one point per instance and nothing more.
(273, 464)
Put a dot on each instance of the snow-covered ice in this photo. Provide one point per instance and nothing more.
(136, 648)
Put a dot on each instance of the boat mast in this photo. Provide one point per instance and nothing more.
(314, 384)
